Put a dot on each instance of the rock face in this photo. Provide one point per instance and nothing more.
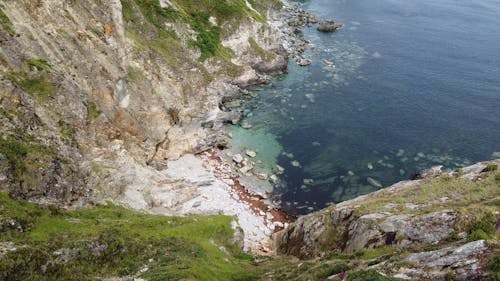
(464, 260)
(82, 93)
(375, 221)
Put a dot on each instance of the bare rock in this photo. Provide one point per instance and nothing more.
(250, 153)
(328, 26)
(237, 158)
(463, 262)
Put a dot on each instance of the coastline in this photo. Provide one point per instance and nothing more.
(258, 217)
(224, 190)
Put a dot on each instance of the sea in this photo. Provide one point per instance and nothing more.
(405, 85)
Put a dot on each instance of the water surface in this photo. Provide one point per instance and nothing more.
(405, 85)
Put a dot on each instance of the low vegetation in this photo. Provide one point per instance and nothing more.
(6, 24)
(258, 51)
(106, 241)
(37, 85)
(24, 156)
(479, 196)
(92, 111)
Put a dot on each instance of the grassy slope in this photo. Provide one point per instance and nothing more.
(105, 241)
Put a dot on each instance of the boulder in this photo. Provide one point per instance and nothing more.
(251, 153)
(237, 158)
(328, 26)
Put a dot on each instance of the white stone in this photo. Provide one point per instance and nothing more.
(238, 158)
(250, 153)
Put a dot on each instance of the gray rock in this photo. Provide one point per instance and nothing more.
(463, 261)
(328, 26)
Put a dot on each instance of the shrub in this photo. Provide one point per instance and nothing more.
(483, 229)
(494, 266)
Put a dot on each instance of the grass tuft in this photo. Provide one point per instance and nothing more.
(37, 86)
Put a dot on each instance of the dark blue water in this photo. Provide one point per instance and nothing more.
(413, 84)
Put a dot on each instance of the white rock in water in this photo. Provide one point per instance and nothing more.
(495, 154)
(246, 169)
(274, 178)
(280, 169)
(308, 181)
(421, 154)
(374, 182)
(295, 163)
(350, 173)
(246, 126)
(316, 143)
(238, 158)
(376, 55)
(370, 166)
(251, 153)
(400, 153)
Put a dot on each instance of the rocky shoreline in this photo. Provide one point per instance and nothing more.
(228, 167)
(290, 22)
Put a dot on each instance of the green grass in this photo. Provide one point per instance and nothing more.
(37, 64)
(134, 75)
(92, 111)
(462, 193)
(173, 248)
(483, 228)
(67, 131)
(24, 157)
(38, 86)
(146, 20)
(258, 51)
(6, 23)
(494, 266)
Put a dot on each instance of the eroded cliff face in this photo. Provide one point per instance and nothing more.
(96, 96)
(440, 226)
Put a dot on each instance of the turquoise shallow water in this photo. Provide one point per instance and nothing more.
(413, 84)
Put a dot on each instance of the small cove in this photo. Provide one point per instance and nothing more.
(402, 87)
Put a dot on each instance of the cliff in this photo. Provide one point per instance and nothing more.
(91, 86)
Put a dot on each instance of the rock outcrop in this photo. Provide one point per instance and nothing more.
(328, 26)
(438, 211)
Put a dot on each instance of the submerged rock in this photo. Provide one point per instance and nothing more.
(280, 169)
(251, 153)
(374, 182)
(261, 176)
